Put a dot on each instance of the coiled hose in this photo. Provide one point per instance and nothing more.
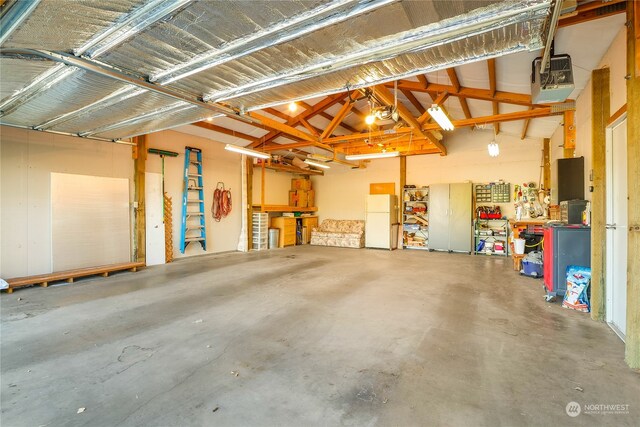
(222, 203)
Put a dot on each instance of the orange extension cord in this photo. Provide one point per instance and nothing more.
(222, 204)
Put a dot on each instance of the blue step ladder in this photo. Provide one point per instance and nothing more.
(193, 229)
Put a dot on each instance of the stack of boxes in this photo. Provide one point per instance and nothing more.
(301, 194)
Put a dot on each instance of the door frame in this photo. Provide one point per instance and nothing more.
(608, 215)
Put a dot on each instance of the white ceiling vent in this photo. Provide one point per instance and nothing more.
(555, 84)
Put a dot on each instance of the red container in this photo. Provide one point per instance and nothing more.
(547, 258)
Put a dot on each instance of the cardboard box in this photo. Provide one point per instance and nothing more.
(293, 198)
(300, 184)
(311, 198)
(302, 198)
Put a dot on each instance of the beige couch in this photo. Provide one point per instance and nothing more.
(344, 233)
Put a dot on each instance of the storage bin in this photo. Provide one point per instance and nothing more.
(533, 269)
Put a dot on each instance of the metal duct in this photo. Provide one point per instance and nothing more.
(250, 54)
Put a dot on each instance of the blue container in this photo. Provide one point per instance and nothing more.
(532, 269)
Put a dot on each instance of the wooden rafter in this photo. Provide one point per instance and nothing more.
(281, 127)
(491, 65)
(467, 92)
(387, 97)
(344, 110)
(276, 147)
(314, 130)
(525, 127)
(518, 115)
(413, 100)
(453, 76)
(307, 114)
(220, 129)
(593, 10)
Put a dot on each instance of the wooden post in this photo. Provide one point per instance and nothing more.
(569, 134)
(249, 175)
(140, 161)
(632, 348)
(599, 119)
(403, 182)
(546, 159)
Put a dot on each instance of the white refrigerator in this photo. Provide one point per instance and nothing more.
(381, 224)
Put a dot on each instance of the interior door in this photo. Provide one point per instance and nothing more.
(460, 217)
(439, 217)
(154, 219)
(617, 227)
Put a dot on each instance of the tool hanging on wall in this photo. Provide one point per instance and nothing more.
(221, 206)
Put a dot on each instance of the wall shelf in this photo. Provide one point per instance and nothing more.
(282, 208)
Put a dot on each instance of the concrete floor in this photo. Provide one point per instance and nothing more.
(308, 336)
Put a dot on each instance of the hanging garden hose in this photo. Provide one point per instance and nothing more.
(222, 205)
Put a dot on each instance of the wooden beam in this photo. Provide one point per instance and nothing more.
(617, 114)
(342, 113)
(314, 131)
(277, 147)
(453, 76)
(422, 78)
(525, 126)
(632, 347)
(599, 118)
(491, 65)
(413, 100)
(546, 164)
(281, 127)
(336, 140)
(569, 134)
(506, 117)
(139, 165)
(468, 92)
(590, 11)
(387, 97)
(220, 129)
(307, 114)
(290, 169)
(277, 113)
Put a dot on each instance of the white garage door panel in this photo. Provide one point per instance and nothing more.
(89, 221)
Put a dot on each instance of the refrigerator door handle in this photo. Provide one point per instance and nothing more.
(611, 226)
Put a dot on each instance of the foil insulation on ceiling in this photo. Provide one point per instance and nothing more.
(246, 54)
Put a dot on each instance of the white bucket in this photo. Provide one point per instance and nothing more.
(518, 246)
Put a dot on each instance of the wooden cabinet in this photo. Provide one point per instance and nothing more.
(287, 227)
(310, 222)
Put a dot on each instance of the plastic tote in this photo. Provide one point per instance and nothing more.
(518, 246)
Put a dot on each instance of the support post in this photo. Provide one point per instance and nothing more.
(569, 134)
(632, 347)
(249, 172)
(599, 119)
(546, 167)
(139, 164)
(403, 182)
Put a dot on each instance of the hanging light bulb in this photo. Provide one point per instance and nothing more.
(494, 149)
(370, 119)
(293, 107)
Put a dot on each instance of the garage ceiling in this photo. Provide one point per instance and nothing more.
(113, 70)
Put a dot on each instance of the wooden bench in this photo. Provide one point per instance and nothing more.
(69, 275)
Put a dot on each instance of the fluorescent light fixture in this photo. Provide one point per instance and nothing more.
(440, 117)
(246, 151)
(494, 149)
(316, 164)
(372, 155)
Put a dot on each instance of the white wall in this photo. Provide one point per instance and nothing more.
(342, 191)
(27, 159)
(218, 164)
(615, 60)
(276, 187)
